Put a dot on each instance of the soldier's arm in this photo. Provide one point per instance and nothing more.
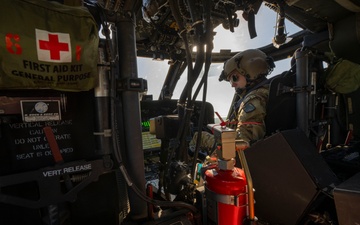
(251, 125)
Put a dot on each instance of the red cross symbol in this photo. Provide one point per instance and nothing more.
(54, 46)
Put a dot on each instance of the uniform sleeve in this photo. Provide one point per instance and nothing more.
(251, 117)
(207, 140)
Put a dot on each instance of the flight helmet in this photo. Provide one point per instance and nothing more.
(251, 63)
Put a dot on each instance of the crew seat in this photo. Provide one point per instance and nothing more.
(281, 106)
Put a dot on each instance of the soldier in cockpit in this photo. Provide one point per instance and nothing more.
(247, 72)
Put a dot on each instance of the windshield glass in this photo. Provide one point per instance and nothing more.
(220, 94)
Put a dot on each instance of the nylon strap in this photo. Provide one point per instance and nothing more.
(53, 144)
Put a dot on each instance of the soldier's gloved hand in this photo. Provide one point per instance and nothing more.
(241, 145)
(207, 140)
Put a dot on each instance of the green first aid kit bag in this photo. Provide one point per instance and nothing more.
(45, 44)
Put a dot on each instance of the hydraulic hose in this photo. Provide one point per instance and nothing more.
(281, 25)
(177, 16)
(199, 60)
(229, 15)
(117, 148)
(190, 102)
(152, 201)
(280, 38)
(209, 43)
(184, 116)
(251, 24)
(118, 157)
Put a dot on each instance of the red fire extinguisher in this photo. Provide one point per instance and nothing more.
(228, 189)
(226, 198)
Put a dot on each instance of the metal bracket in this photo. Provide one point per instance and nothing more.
(225, 199)
(296, 89)
(132, 84)
(105, 133)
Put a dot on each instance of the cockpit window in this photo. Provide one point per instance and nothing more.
(220, 94)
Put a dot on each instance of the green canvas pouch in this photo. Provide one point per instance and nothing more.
(45, 44)
(343, 77)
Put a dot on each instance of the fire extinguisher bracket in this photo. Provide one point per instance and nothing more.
(225, 199)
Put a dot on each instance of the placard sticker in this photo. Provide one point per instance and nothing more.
(40, 110)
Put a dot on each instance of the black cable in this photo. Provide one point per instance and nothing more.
(116, 144)
(251, 24)
(184, 115)
(153, 201)
(230, 18)
(209, 44)
(280, 38)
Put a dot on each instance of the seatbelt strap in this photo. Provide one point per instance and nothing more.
(54, 147)
(53, 144)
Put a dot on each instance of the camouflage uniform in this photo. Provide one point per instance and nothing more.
(247, 71)
(249, 122)
(207, 140)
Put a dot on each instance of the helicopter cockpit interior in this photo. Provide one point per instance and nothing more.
(82, 141)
